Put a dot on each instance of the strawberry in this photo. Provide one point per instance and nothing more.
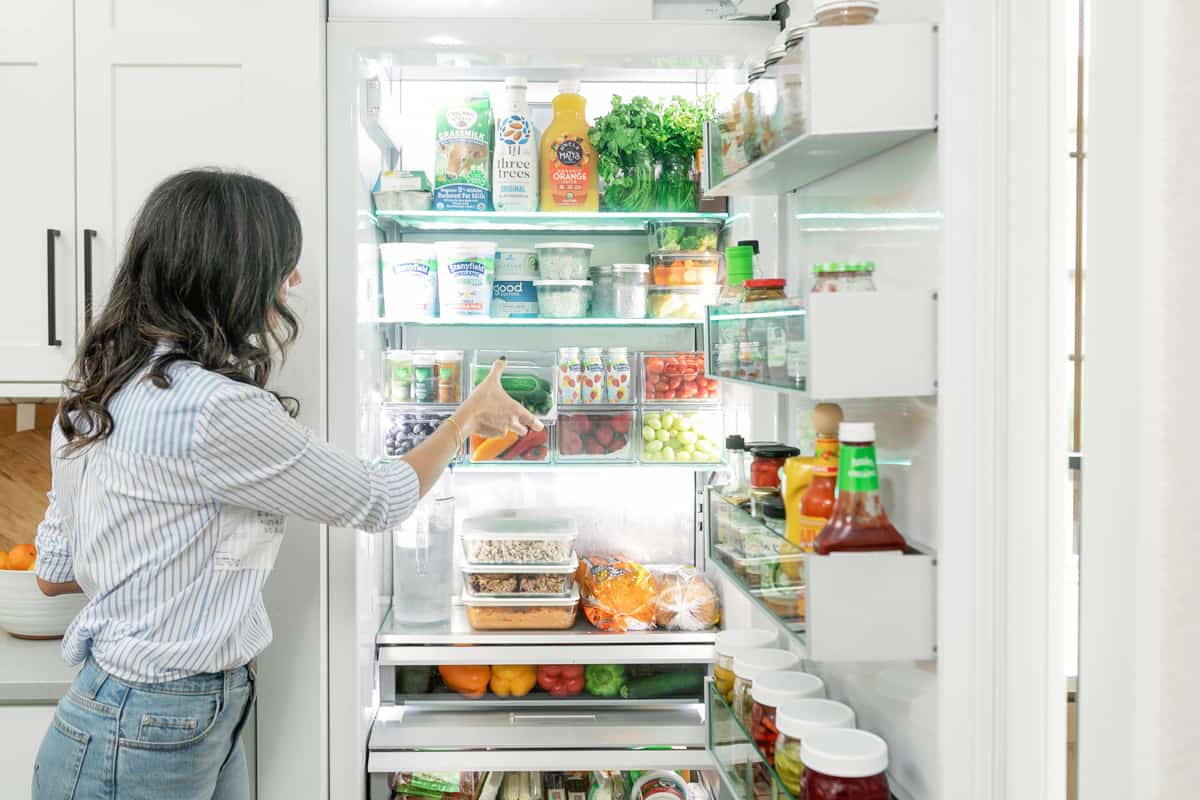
(595, 448)
(570, 443)
(620, 423)
(603, 434)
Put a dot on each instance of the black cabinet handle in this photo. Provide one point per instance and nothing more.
(51, 310)
(88, 236)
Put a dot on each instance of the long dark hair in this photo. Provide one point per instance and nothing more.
(202, 273)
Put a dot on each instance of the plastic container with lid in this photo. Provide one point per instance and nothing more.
(603, 291)
(449, 375)
(673, 435)
(562, 299)
(424, 374)
(564, 261)
(748, 665)
(727, 645)
(770, 692)
(845, 12)
(685, 269)
(629, 290)
(677, 378)
(605, 436)
(521, 613)
(513, 293)
(518, 537)
(681, 302)
(764, 469)
(410, 273)
(503, 580)
(797, 720)
(844, 764)
(695, 236)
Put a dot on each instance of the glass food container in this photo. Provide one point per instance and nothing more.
(764, 469)
(770, 692)
(603, 291)
(518, 537)
(796, 721)
(752, 359)
(685, 269)
(764, 289)
(630, 290)
(563, 299)
(697, 236)
(844, 764)
(749, 665)
(521, 613)
(504, 580)
(681, 302)
(564, 261)
(727, 645)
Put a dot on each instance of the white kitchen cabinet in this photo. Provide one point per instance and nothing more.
(37, 212)
(23, 726)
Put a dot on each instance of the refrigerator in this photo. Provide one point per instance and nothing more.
(862, 182)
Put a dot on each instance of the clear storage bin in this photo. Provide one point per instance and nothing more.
(673, 236)
(503, 580)
(405, 427)
(672, 435)
(681, 302)
(677, 378)
(530, 378)
(685, 269)
(596, 435)
(532, 448)
(519, 537)
(520, 613)
(564, 261)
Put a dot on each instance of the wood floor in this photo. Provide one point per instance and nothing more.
(24, 475)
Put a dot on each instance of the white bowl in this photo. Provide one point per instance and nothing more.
(27, 613)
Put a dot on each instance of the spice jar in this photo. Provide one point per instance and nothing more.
(727, 645)
(750, 664)
(844, 764)
(764, 469)
(796, 721)
(770, 692)
(449, 376)
(424, 389)
(397, 367)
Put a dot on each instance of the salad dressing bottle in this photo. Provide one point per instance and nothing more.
(569, 178)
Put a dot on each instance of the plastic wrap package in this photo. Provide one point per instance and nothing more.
(686, 600)
(439, 785)
(617, 595)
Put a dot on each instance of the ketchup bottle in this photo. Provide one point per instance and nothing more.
(859, 522)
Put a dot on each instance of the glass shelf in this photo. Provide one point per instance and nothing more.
(541, 322)
(762, 322)
(745, 772)
(582, 466)
(533, 222)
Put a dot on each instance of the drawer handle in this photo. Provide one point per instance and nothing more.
(51, 303)
(88, 236)
(516, 717)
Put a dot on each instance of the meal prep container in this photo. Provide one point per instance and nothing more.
(521, 613)
(681, 302)
(564, 261)
(699, 236)
(685, 269)
(563, 299)
(596, 435)
(519, 537)
(677, 377)
(504, 580)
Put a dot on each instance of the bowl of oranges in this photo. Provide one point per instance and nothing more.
(25, 612)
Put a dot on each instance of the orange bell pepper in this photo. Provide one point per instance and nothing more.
(469, 681)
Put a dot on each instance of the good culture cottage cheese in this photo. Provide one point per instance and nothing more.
(513, 292)
(410, 279)
(465, 271)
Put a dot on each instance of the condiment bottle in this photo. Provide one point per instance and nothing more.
(859, 521)
(842, 763)
(796, 719)
(726, 646)
(798, 470)
(749, 665)
(770, 692)
(569, 176)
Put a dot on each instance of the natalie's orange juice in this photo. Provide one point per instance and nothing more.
(568, 169)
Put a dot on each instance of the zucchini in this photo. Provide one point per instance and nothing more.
(668, 684)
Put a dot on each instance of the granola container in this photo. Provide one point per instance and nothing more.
(521, 614)
(503, 580)
(519, 537)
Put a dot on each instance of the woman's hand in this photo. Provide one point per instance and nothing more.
(489, 411)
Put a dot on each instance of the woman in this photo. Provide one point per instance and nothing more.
(173, 470)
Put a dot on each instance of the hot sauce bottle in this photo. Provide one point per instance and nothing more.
(859, 522)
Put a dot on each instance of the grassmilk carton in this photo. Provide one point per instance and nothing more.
(463, 157)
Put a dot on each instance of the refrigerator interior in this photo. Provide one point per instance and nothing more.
(386, 80)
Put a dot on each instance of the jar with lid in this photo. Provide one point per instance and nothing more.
(749, 665)
(449, 376)
(603, 291)
(629, 290)
(424, 372)
(764, 289)
(862, 277)
(397, 369)
(828, 278)
(769, 693)
(764, 469)
(845, 12)
(726, 646)
(843, 763)
(727, 359)
(751, 359)
(797, 720)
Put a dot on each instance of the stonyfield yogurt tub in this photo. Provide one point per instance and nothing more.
(513, 292)
(410, 280)
(465, 274)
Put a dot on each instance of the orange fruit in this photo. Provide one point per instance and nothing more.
(3, 559)
(21, 556)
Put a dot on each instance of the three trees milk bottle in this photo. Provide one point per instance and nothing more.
(515, 162)
(568, 169)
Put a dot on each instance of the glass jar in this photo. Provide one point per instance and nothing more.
(844, 764)
(831, 277)
(726, 646)
(727, 359)
(796, 721)
(750, 664)
(845, 12)
(424, 388)
(397, 370)
(770, 692)
(764, 289)
(629, 290)
(604, 298)
(449, 376)
(751, 360)
(862, 277)
(764, 469)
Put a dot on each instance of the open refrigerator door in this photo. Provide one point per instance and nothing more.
(555, 605)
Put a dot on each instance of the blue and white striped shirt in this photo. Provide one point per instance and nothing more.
(172, 524)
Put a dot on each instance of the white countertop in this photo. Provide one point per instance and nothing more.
(32, 672)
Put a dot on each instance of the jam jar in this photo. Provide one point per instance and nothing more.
(750, 664)
(844, 764)
(727, 645)
(796, 720)
(764, 469)
(769, 693)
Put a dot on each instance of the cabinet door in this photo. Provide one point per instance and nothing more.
(37, 206)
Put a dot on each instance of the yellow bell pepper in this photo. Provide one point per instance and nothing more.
(466, 680)
(513, 680)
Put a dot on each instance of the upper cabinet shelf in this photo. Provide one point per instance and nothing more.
(841, 95)
(532, 222)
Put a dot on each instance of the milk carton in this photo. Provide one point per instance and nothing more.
(463, 159)
(515, 163)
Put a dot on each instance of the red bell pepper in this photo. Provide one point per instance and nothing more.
(561, 680)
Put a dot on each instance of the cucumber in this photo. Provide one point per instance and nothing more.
(668, 684)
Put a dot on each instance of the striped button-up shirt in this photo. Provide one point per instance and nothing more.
(171, 525)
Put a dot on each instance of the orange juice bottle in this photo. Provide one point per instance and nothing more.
(568, 165)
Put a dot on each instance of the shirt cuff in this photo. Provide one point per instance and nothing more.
(55, 567)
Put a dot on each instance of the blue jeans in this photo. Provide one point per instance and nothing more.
(117, 740)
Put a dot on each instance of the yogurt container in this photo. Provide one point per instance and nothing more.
(465, 275)
(513, 292)
(410, 280)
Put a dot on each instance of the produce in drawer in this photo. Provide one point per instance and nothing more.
(683, 683)
(681, 436)
(699, 236)
(604, 680)
(595, 435)
(407, 429)
(526, 387)
(685, 269)
(561, 680)
(676, 377)
(533, 446)
(513, 680)
(470, 681)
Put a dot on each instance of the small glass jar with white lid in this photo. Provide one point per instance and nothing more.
(727, 645)
(771, 691)
(749, 665)
(843, 763)
(796, 720)
(630, 282)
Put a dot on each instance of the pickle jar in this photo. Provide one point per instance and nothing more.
(769, 693)
(843, 763)
(750, 664)
(796, 720)
(727, 645)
